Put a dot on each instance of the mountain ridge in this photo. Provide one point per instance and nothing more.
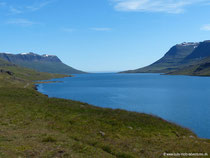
(42, 63)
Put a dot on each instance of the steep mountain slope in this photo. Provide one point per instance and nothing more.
(202, 51)
(171, 60)
(5, 63)
(42, 63)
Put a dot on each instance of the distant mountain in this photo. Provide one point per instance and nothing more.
(42, 63)
(181, 58)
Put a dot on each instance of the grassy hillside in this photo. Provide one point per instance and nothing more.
(13, 75)
(201, 68)
(33, 125)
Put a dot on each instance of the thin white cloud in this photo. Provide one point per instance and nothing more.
(21, 22)
(206, 27)
(167, 6)
(39, 6)
(14, 10)
(100, 29)
(18, 9)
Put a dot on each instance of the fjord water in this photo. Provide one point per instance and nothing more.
(184, 100)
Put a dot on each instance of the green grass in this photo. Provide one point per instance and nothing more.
(199, 68)
(22, 77)
(33, 125)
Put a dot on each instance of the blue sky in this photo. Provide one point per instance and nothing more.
(102, 35)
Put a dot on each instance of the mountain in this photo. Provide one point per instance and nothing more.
(180, 58)
(170, 61)
(42, 63)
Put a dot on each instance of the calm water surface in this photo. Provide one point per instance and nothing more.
(184, 100)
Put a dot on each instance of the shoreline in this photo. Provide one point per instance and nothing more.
(151, 115)
(156, 115)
